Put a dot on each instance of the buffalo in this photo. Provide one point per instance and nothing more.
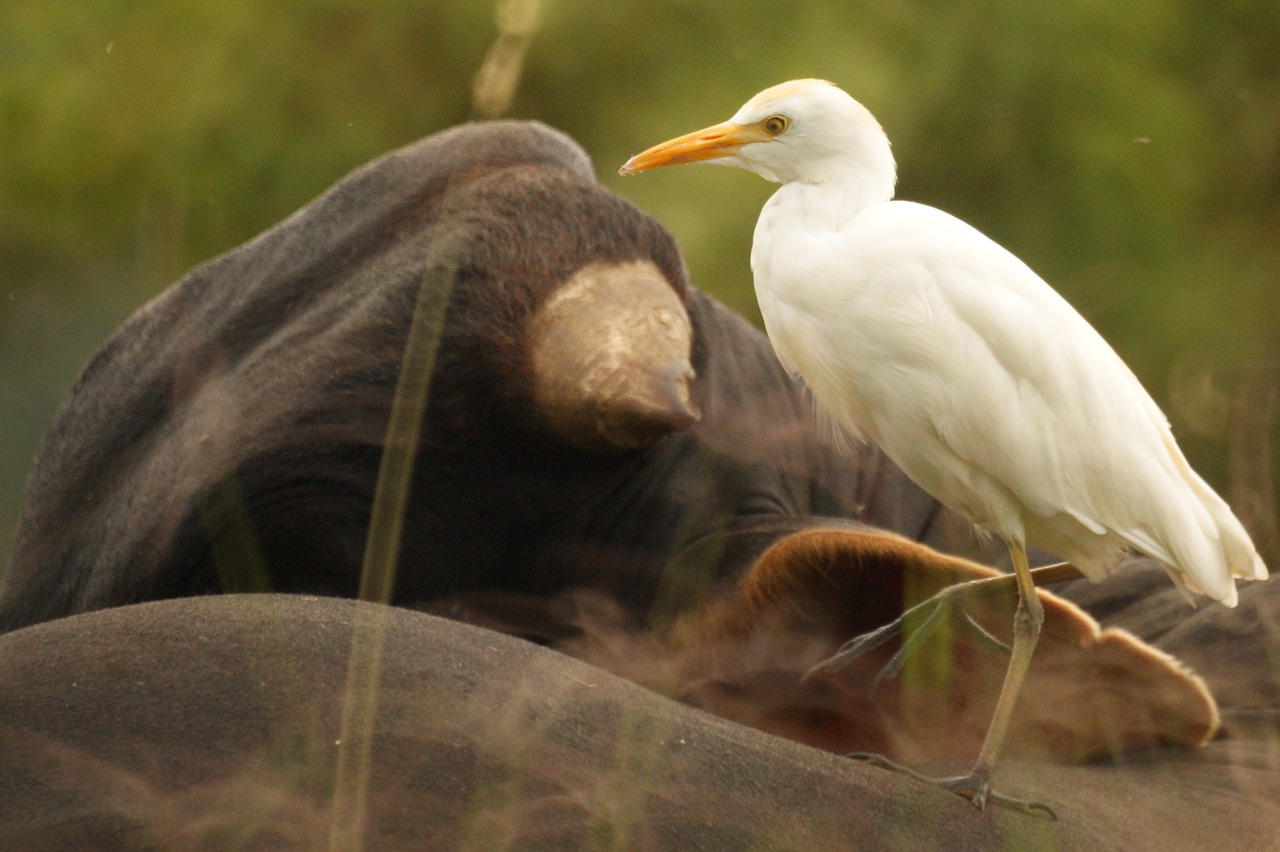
(216, 722)
(610, 464)
(589, 412)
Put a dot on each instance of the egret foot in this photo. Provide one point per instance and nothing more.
(922, 620)
(976, 787)
(917, 624)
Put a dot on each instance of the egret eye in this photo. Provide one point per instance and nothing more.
(775, 125)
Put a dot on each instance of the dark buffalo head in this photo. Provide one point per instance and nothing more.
(588, 415)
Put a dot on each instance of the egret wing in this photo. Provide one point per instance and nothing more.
(997, 396)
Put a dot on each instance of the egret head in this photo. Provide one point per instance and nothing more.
(804, 130)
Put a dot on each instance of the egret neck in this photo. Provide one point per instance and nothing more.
(799, 229)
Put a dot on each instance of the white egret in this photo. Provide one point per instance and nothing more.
(913, 329)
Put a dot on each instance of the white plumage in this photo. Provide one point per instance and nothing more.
(969, 371)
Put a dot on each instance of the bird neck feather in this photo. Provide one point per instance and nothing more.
(835, 199)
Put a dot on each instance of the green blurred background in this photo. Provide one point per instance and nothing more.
(1129, 150)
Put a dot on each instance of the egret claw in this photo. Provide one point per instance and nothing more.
(912, 642)
(976, 787)
(933, 611)
(984, 636)
(856, 647)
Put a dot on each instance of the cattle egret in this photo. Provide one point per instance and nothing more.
(913, 329)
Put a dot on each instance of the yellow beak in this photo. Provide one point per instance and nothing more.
(720, 140)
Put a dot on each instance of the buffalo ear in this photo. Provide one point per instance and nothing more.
(1092, 693)
(610, 353)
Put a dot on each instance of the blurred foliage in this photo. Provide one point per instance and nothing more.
(1129, 150)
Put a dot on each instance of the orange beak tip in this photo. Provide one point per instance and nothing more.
(721, 140)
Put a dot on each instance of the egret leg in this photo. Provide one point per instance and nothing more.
(977, 786)
(1026, 632)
